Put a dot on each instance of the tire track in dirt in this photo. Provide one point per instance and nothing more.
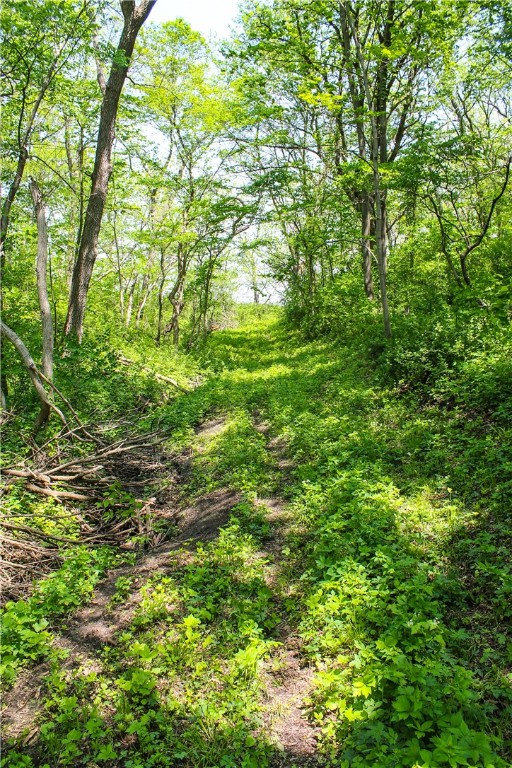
(286, 677)
(96, 625)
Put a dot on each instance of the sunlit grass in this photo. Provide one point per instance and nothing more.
(388, 550)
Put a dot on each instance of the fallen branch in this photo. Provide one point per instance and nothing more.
(19, 566)
(35, 376)
(23, 473)
(158, 376)
(37, 533)
(21, 544)
(123, 446)
(81, 427)
(83, 474)
(58, 495)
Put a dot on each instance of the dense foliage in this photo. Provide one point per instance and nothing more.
(350, 161)
(394, 570)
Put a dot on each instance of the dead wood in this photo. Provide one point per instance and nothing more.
(81, 427)
(58, 495)
(35, 376)
(129, 462)
(27, 473)
(157, 376)
(37, 534)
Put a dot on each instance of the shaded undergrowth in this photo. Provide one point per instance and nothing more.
(394, 572)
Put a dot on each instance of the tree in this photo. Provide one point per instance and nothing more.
(40, 41)
(363, 67)
(31, 64)
(134, 17)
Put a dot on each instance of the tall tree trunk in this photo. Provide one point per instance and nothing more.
(134, 17)
(381, 238)
(206, 296)
(161, 285)
(42, 288)
(177, 307)
(158, 337)
(254, 278)
(3, 397)
(366, 244)
(176, 295)
(379, 193)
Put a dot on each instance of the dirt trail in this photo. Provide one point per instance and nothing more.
(286, 678)
(289, 679)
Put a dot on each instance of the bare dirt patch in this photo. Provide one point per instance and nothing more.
(288, 677)
(288, 684)
(98, 623)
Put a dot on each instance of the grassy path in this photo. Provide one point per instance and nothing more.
(309, 609)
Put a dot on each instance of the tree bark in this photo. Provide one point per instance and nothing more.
(147, 287)
(161, 285)
(42, 288)
(177, 307)
(134, 18)
(129, 308)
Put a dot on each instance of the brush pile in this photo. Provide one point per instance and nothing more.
(103, 489)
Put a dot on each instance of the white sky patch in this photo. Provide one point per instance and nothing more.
(210, 17)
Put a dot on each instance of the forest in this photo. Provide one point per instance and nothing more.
(256, 386)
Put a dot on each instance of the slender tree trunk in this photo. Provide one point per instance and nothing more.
(206, 296)
(381, 238)
(254, 279)
(81, 207)
(129, 308)
(366, 244)
(13, 191)
(146, 290)
(3, 397)
(160, 311)
(134, 17)
(42, 288)
(176, 296)
(177, 307)
(161, 297)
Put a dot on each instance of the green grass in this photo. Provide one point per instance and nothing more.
(396, 574)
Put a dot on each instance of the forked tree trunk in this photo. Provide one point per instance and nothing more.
(134, 18)
(177, 308)
(176, 296)
(146, 291)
